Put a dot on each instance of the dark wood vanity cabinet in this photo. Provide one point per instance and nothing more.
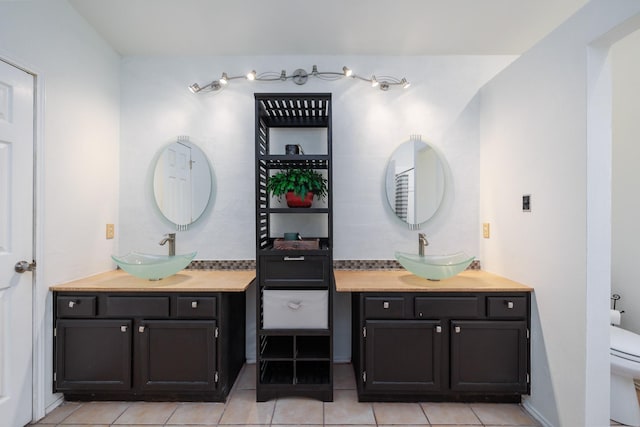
(151, 346)
(449, 346)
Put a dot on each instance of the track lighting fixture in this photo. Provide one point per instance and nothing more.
(300, 77)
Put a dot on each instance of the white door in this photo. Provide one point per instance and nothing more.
(16, 244)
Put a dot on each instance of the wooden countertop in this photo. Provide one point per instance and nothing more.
(403, 281)
(184, 281)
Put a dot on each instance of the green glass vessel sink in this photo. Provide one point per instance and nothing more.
(434, 267)
(152, 267)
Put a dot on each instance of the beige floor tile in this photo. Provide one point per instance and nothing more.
(201, 413)
(247, 378)
(298, 411)
(353, 425)
(97, 413)
(147, 413)
(403, 425)
(294, 425)
(502, 414)
(450, 413)
(83, 425)
(399, 413)
(60, 413)
(345, 409)
(242, 408)
(343, 377)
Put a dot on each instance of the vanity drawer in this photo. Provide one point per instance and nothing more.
(295, 309)
(384, 307)
(506, 306)
(438, 307)
(75, 306)
(137, 306)
(295, 270)
(200, 307)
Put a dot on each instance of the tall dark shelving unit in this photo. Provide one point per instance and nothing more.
(293, 360)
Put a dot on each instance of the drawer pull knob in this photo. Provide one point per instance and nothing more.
(123, 328)
(141, 329)
(385, 305)
(71, 304)
(194, 304)
(439, 329)
(294, 305)
(457, 329)
(294, 258)
(509, 305)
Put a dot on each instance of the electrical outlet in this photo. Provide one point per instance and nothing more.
(486, 230)
(111, 231)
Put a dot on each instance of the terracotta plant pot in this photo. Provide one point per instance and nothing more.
(295, 201)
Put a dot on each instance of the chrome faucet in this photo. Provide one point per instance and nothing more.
(171, 238)
(422, 242)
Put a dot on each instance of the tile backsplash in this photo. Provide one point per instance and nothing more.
(347, 264)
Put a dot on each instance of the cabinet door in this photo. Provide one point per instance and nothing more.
(176, 355)
(402, 355)
(93, 355)
(489, 356)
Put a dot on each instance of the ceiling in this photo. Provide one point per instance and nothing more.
(326, 27)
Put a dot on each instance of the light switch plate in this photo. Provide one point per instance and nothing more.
(486, 230)
(111, 231)
(526, 203)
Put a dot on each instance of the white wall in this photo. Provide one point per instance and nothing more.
(79, 145)
(626, 158)
(367, 126)
(534, 140)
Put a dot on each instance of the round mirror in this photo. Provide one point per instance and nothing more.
(415, 182)
(182, 183)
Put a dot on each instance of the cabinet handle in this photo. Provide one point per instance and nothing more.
(123, 328)
(71, 304)
(457, 329)
(294, 305)
(385, 305)
(141, 329)
(439, 329)
(194, 304)
(509, 305)
(294, 258)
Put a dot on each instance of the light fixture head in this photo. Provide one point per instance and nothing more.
(405, 84)
(348, 72)
(374, 82)
(251, 75)
(195, 88)
(314, 70)
(224, 79)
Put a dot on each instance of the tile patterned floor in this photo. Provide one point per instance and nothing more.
(241, 409)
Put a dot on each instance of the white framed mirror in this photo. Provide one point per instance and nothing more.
(182, 182)
(415, 182)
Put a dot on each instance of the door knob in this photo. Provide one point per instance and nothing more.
(22, 266)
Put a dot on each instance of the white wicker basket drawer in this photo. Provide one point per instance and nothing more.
(295, 309)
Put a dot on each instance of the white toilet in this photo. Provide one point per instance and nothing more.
(625, 366)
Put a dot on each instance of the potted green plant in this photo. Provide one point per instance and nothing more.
(299, 186)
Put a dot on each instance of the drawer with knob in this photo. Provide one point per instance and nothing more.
(384, 307)
(499, 307)
(76, 306)
(196, 307)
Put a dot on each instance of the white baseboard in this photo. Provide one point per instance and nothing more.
(536, 415)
